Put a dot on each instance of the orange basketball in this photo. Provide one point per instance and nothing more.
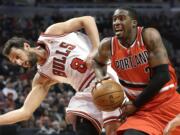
(108, 95)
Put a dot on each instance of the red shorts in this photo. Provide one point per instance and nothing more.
(154, 116)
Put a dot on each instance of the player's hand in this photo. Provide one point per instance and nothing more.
(171, 126)
(102, 79)
(99, 81)
(89, 59)
(128, 109)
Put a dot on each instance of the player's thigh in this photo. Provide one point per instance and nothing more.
(85, 127)
(112, 127)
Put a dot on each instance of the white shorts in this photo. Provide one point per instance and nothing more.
(81, 104)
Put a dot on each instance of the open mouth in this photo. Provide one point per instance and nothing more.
(119, 27)
(119, 32)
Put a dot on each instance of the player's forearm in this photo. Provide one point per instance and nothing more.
(92, 31)
(13, 117)
(100, 70)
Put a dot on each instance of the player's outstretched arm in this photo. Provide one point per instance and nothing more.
(101, 58)
(172, 125)
(40, 87)
(74, 24)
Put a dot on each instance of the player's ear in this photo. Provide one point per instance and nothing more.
(26, 46)
(134, 23)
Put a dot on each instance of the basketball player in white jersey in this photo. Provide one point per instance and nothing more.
(61, 57)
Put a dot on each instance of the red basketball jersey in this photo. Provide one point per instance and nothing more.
(131, 65)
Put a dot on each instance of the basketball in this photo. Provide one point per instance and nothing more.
(108, 95)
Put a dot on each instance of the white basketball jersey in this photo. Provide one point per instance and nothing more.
(66, 59)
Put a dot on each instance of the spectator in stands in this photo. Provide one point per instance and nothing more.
(46, 126)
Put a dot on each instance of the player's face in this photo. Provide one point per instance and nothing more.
(22, 57)
(121, 23)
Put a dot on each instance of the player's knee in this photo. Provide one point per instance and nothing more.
(85, 127)
(134, 132)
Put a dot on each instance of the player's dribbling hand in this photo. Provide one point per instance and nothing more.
(99, 81)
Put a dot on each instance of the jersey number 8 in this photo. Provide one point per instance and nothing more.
(79, 65)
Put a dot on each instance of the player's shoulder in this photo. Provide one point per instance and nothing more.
(150, 31)
(105, 45)
(79, 34)
(106, 41)
(40, 79)
(150, 34)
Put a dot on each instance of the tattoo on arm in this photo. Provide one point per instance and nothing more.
(157, 51)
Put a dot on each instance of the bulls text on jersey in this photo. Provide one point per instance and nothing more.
(60, 60)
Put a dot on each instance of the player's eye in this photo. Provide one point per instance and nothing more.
(122, 18)
(114, 18)
(17, 57)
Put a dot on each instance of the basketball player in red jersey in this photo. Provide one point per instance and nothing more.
(140, 59)
(61, 57)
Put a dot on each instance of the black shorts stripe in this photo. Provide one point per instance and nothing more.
(130, 85)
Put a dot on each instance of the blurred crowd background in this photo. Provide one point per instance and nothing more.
(28, 18)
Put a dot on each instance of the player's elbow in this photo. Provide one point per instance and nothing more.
(26, 114)
(88, 20)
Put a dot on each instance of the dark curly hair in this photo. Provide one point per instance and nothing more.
(16, 42)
